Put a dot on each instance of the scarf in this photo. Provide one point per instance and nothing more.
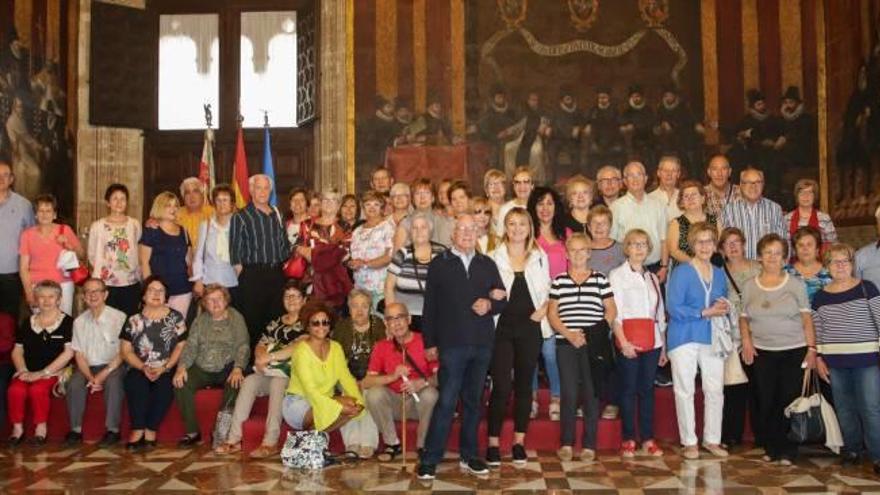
(796, 220)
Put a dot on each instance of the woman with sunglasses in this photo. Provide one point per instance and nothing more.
(317, 366)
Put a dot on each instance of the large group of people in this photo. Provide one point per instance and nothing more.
(346, 311)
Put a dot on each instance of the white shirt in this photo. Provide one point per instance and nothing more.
(98, 339)
(636, 296)
(671, 202)
(648, 215)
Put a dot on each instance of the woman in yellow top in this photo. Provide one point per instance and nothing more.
(317, 365)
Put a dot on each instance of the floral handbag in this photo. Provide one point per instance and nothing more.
(305, 449)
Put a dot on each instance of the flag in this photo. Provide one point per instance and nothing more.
(240, 173)
(206, 164)
(268, 169)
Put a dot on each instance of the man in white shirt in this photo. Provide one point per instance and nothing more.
(98, 363)
(668, 173)
(638, 210)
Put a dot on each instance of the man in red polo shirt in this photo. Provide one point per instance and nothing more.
(385, 383)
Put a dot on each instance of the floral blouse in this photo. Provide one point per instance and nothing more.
(368, 243)
(113, 252)
(276, 336)
(154, 340)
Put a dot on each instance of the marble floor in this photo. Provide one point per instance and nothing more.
(89, 469)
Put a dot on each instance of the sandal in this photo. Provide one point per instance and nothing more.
(263, 451)
(228, 448)
(389, 453)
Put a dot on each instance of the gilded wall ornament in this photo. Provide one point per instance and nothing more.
(583, 13)
(513, 12)
(654, 12)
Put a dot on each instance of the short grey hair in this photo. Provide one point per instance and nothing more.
(359, 292)
(189, 181)
(609, 168)
(253, 179)
(45, 285)
(421, 216)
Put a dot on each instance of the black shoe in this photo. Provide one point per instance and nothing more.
(849, 459)
(519, 454)
(38, 441)
(426, 471)
(876, 467)
(150, 444)
(664, 377)
(493, 457)
(190, 440)
(136, 446)
(73, 438)
(15, 441)
(474, 466)
(420, 451)
(109, 438)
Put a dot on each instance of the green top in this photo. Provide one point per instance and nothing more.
(213, 344)
(316, 380)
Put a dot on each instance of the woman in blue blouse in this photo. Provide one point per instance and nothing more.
(807, 265)
(696, 292)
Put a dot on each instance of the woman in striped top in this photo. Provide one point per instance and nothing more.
(581, 304)
(846, 314)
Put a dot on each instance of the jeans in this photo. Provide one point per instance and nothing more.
(857, 403)
(548, 352)
(462, 374)
(636, 378)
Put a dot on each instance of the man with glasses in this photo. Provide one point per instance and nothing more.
(752, 213)
(463, 293)
(98, 363)
(637, 210)
(16, 215)
(609, 181)
(399, 371)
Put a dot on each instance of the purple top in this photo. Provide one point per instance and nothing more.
(555, 255)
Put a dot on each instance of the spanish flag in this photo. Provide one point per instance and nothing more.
(240, 173)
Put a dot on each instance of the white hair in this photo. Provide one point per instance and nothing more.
(253, 179)
(191, 181)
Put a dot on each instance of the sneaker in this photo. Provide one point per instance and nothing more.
(519, 454)
(73, 438)
(534, 412)
(650, 447)
(493, 457)
(564, 453)
(690, 452)
(785, 462)
(474, 466)
(610, 412)
(715, 449)
(628, 449)
(664, 377)
(426, 471)
(587, 455)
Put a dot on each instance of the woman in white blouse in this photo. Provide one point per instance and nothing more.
(639, 302)
(211, 264)
(113, 251)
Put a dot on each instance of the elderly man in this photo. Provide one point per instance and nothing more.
(258, 248)
(752, 213)
(463, 292)
(609, 181)
(195, 207)
(867, 259)
(668, 173)
(637, 210)
(98, 363)
(720, 190)
(393, 377)
(16, 214)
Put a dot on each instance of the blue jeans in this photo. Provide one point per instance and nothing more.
(462, 374)
(548, 350)
(857, 404)
(636, 379)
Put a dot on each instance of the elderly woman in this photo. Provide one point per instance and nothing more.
(692, 202)
(846, 313)
(358, 335)
(638, 297)
(371, 247)
(299, 213)
(112, 251)
(349, 213)
(486, 238)
(408, 271)
(806, 195)
(459, 198)
(739, 397)
(39, 248)
(778, 337)
(401, 202)
(607, 254)
(153, 340)
(495, 187)
(807, 266)
(548, 215)
(216, 353)
(324, 229)
(211, 263)
(579, 193)
(271, 375)
(318, 367)
(521, 328)
(695, 294)
(42, 350)
(166, 251)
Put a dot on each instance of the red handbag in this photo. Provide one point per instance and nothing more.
(296, 267)
(640, 331)
(79, 275)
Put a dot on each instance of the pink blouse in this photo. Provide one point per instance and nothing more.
(44, 251)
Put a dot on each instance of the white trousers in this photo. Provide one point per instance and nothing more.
(685, 360)
(360, 431)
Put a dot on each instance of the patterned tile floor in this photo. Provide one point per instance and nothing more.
(90, 469)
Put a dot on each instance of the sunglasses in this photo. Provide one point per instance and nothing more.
(320, 323)
(482, 212)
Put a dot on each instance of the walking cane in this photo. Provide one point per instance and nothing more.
(403, 415)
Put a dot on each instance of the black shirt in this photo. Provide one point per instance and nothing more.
(41, 348)
(257, 238)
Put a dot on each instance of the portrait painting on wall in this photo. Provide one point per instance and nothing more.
(34, 134)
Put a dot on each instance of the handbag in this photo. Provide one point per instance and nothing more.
(68, 261)
(640, 331)
(222, 424)
(734, 374)
(805, 412)
(304, 449)
(296, 266)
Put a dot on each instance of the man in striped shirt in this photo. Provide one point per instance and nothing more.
(258, 247)
(752, 213)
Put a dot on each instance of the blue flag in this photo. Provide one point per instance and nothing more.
(268, 169)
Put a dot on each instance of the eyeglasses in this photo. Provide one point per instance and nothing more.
(393, 318)
(750, 182)
(843, 262)
(634, 175)
(320, 323)
(611, 180)
(639, 244)
(91, 292)
(482, 212)
(523, 182)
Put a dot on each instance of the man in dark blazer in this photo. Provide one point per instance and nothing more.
(463, 292)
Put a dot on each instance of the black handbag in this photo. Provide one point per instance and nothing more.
(805, 412)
